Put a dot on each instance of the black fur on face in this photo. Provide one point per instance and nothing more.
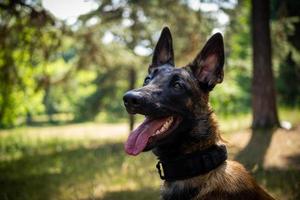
(179, 92)
(166, 91)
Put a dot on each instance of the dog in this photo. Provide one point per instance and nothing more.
(180, 128)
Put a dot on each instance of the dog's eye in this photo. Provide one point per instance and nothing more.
(177, 86)
(147, 80)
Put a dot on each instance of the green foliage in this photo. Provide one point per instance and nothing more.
(48, 67)
(233, 95)
(285, 34)
(287, 85)
(27, 36)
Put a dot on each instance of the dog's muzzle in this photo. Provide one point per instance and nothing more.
(133, 101)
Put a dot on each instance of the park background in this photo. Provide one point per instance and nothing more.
(65, 65)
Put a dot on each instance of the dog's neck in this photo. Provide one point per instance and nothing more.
(203, 135)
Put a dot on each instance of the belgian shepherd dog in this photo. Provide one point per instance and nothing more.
(180, 129)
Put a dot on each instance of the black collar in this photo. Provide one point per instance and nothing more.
(193, 164)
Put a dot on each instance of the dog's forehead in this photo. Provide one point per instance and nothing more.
(166, 68)
(167, 71)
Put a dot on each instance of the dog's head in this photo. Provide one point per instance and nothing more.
(172, 98)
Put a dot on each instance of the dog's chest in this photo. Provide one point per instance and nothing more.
(178, 191)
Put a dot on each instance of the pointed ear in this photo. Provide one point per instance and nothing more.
(208, 64)
(163, 52)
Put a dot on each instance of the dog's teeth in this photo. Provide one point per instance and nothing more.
(165, 126)
(170, 119)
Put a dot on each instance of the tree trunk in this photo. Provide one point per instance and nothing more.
(132, 80)
(263, 89)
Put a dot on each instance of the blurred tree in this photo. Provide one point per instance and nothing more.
(27, 38)
(263, 89)
(85, 68)
(289, 76)
(287, 39)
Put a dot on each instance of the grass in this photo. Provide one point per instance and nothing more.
(87, 161)
(38, 165)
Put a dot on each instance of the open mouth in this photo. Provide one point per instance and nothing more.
(149, 131)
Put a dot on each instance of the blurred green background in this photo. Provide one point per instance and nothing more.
(65, 65)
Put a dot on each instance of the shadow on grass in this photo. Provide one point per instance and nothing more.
(294, 160)
(78, 172)
(282, 182)
(44, 176)
(145, 193)
(254, 153)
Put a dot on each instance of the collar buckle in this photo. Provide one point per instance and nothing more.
(160, 170)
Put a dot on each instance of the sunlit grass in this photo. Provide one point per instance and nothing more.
(48, 163)
(231, 123)
(290, 115)
(87, 161)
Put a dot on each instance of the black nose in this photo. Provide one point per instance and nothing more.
(133, 99)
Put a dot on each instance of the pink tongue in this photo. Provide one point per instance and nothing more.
(138, 138)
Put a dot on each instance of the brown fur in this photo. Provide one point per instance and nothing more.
(229, 181)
